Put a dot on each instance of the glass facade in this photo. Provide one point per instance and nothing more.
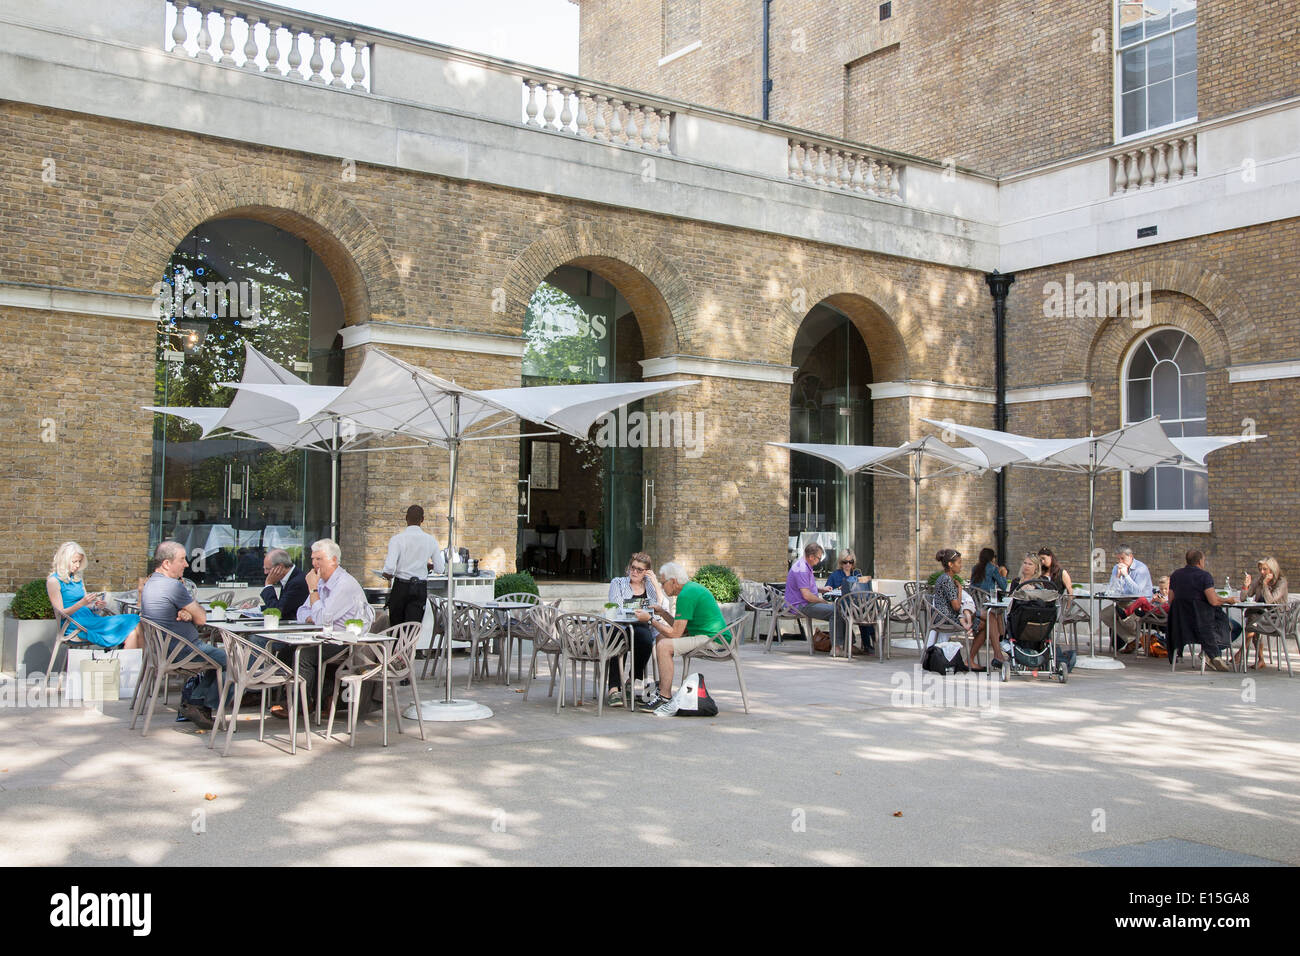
(578, 329)
(229, 500)
(830, 404)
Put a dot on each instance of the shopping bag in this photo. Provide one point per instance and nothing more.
(102, 674)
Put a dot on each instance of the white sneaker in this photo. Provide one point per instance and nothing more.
(666, 709)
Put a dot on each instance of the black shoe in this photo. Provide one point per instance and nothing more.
(200, 716)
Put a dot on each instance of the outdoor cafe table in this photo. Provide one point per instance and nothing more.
(1243, 607)
(305, 635)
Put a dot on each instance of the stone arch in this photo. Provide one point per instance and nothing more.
(1115, 340)
(351, 248)
(874, 304)
(1219, 319)
(658, 293)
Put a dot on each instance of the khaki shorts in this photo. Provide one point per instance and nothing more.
(684, 645)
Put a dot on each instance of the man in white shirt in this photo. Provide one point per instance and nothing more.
(411, 553)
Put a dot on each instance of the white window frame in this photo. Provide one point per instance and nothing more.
(1165, 519)
(1117, 99)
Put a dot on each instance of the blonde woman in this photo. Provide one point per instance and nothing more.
(1267, 587)
(69, 598)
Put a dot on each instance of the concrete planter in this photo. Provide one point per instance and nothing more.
(27, 645)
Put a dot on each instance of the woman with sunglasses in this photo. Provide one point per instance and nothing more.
(1072, 612)
(639, 589)
(847, 577)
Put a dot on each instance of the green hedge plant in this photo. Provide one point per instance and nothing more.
(32, 602)
(521, 582)
(720, 581)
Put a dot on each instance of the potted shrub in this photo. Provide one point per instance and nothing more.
(724, 585)
(610, 609)
(520, 582)
(271, 617)
(355, 626)
(218, 611)
(29, 630)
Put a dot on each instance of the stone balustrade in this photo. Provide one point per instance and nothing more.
(1153, 164)
(821, 164)
(268, 40)
(604, 116)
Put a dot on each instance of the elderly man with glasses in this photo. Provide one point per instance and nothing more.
(695, 621)
(333, 598)
(1129, 576)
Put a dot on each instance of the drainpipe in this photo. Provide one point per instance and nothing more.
(999, 284)
(767, 42)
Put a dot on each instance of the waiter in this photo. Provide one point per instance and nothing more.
(411, 553)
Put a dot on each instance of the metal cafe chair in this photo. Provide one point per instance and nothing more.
(361, 668)
(757, 601)
(858, 608)
(730, 651)
(173, 655)
(585, 639)
(71, 634)
(546, 640)
(253, 668)
(781, 611)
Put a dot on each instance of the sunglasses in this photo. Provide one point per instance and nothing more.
(643, 570)
(846, 562)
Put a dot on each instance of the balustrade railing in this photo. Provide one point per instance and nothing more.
(296, 49)
(1153, 164)
(604, 117)
(817, 164)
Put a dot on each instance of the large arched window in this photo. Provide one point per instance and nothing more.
(1165, 376)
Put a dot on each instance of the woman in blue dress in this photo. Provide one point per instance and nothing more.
(69, 598)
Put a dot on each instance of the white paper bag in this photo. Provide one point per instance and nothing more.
(131, 663)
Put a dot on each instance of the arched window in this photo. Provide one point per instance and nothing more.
(1165, 376)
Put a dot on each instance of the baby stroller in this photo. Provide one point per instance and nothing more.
(1030, 623)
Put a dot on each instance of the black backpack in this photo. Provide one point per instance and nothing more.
(936, 660)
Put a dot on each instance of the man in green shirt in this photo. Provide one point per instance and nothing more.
(697, 619)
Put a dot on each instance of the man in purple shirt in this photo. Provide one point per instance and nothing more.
(804, 596)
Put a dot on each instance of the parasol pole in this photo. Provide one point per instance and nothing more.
(334, 485)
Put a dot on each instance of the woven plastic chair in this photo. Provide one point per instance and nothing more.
(730, 651)
(909, 612)
(585, 639)
(222, 597)
(781, 611)
(68, 633)
(944, 621)
(515, 629)
(478, 625)
(174, 655)
(401, 666)
(546, 640)
(437, 643)
(753, 594)
(253, 668)
(1274, 626)
(861, 607)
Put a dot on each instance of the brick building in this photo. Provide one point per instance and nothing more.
(476, 217)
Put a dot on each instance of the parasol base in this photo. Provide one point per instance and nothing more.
(1093, 663)
(449, 710)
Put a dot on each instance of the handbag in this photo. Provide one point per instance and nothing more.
(821, 642)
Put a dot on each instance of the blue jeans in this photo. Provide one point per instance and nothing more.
(208, 692)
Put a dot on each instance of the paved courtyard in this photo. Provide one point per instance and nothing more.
(1132, 766)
